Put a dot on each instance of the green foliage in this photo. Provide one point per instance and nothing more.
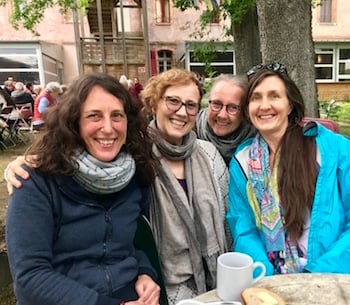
(337, 111)
(340, 112)
(208, 82)
(236, 9)
(206, 53)
(185, 4)
(30, 13)
(315, 3)
(232, 9)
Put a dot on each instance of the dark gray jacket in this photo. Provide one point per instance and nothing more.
(69, 246)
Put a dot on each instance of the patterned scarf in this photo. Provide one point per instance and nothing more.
(262, 186)
(263, 196)
(104, 177)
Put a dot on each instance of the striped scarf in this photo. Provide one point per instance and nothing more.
(104, 177)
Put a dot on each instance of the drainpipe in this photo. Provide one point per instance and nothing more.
(146, 38)
(125, 66)
(101, 33)
(77, 37)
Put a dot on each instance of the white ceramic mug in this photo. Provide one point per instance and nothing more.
(235, 273)
(189, 302)
(195, 302)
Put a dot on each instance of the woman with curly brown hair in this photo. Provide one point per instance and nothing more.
(70, 228)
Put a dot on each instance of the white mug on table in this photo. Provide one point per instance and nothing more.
(195, 302)
(235, 273)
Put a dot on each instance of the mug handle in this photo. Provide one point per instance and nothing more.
(262, 273)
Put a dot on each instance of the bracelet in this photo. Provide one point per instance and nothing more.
(122, 303)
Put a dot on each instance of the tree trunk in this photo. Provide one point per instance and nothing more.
(247, 42)
(286, 36)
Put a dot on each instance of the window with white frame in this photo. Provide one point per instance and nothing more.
(324, 63)
(22, 63)
(163, 11)
(344, 64)
(224, 63)
(326, 11)
(165, 58)
(332, 63)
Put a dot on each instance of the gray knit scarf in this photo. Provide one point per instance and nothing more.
(188, 229)
(104, 177)
(226, 145)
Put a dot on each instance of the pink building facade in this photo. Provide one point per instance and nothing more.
(53, 55)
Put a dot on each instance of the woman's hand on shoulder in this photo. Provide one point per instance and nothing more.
(15, 168)
(148, 290)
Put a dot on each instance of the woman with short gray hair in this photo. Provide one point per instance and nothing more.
(43, 102)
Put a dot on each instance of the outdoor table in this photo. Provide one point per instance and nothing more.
(302, 289)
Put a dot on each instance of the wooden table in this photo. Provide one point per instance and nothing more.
(302, 289)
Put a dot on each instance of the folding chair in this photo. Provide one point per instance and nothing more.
(6, 139)
(25, 112)
(11, 116)
(3, 126)
(25, 116)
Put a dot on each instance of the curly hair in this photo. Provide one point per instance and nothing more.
(157, 85)
(297, 172)
(60, 139)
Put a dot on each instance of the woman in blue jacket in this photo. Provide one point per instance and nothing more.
(71, 228)
(289, 192)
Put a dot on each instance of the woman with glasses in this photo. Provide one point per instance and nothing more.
(289, 192)
(190, 192)
(222, 123)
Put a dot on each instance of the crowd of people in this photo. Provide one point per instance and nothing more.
(35, 100)
(244, 174)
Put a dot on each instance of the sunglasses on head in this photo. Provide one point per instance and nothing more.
(275, 66)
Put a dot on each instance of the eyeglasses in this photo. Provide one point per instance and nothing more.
(231, 109)
(275, 66)
(174, 103)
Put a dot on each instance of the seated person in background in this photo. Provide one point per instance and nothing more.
(9, 85)
(29, 87)
(222, 122)
(6, 101)
(37, 90)
(70, 229)
(124, 81)
(289, 191)
(43, 102)
(21, 96)
(138, 86)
